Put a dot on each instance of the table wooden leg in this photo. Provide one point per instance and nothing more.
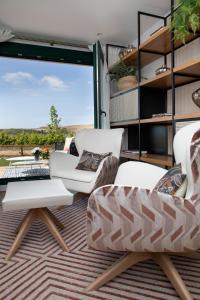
(54, 219)
(45, 217)
(30, 217)
(20, 224)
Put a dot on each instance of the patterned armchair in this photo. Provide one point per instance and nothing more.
(129, 216)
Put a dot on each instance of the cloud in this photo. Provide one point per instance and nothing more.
(54, 82)
(17, 77)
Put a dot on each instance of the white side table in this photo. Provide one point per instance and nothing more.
(36, 196)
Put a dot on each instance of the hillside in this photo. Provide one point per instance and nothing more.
(75, 128)
(69, 128)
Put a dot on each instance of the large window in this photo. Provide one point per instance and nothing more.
(41, 103)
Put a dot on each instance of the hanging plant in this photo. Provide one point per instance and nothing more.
(186, 19)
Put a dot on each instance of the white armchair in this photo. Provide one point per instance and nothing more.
(63, 165)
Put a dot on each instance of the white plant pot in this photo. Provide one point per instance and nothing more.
(126, 83)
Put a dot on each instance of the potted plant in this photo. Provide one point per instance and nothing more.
(186, 19)
(36, 152)
(125, 76)
(45, 153)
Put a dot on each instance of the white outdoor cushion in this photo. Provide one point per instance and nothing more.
(36, 194)
(139, 174)
(77, 175)
(99, 141)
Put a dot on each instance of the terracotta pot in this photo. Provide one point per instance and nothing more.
(126, 83)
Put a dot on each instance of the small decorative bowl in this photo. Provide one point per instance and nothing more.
(161, 70)
(196, 97)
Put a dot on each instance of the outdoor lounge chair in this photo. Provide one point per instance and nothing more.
(63, 165)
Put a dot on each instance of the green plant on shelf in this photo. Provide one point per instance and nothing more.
(186, 19)
(122, 70)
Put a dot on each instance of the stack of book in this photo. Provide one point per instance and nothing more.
(134, 152)
(161, 115)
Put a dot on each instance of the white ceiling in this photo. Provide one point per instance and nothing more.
(79, 20)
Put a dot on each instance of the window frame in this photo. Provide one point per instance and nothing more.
(43, 53)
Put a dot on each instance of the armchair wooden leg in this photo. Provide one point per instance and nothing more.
(78, 196)
(193, 255)
(120, 266)
(24, 227)
(169, 269)
(45, 217)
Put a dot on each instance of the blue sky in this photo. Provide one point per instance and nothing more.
(28, 89)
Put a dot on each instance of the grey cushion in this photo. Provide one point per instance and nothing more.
(90, 161)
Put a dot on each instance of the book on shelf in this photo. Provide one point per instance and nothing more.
(134, 152)
(161, 115)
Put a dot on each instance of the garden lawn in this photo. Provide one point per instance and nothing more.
(4, 162)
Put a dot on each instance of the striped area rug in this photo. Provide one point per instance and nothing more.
(41, 270)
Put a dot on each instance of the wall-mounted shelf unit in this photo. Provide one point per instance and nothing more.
(155, 134)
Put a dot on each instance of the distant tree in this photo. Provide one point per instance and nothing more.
(22, 138)
(54, 120)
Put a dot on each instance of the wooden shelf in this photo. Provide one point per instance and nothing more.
(166, 119)
(162, 160)
(129, 155)
(191, 116)
(159, 81)
(124, 123)
(191, 68)
(160, 41)
(186, 71)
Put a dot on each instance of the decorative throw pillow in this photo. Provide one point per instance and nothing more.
(72, 148)
(90, 161)
(174, 182)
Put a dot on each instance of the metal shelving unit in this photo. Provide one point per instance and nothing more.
(160, 44)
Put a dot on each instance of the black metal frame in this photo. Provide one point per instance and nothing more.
(111, 45)
(141, 13)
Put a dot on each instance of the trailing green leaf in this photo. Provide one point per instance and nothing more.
(186, 19)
